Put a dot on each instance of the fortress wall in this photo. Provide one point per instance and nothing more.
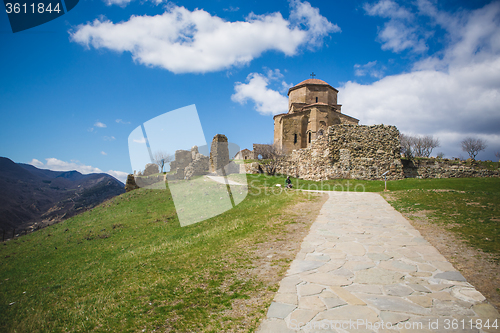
(348, 151)
(366, 152)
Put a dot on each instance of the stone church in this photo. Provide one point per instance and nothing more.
(312, 108)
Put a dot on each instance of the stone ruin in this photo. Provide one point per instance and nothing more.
(367, 152)
(188, 163)
(150, 169)
(348, 151)
(219, 154)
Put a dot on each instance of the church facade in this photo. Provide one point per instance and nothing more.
(312, 108)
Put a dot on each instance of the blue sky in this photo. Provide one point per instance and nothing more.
(73, 89)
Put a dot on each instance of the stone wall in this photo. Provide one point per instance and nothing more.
(348, 151)
(444, 168)
(262, 150)
(366, 152)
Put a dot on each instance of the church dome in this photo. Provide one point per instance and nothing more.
(315, 82)
(312, 81)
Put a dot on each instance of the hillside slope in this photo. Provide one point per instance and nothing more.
(128, 266)
(32, 197)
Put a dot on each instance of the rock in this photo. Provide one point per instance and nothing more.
(304, 266)
(450, 275)
(279, 310)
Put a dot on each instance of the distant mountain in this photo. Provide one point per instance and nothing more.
(33, 198)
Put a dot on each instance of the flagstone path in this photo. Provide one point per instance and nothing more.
(364, 268)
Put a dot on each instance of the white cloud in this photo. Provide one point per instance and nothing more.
(59, 165)
(184, 41)
(103, 153)
(317, 26)
(120, 175)
(369, 68)
(99, 124)
(121, 121)
(388, 9)
(36, 163)
(267, 101)
(121, 3)
(451, 96)
(142, 140)
(231, 9)
(124, 3)
(109, 138)
(400, 32)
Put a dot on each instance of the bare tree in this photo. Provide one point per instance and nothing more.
(427, 144)
(161, 158)
(473, 146)
(497, 154)
(274, 157)
(417, 146)
(406, 145)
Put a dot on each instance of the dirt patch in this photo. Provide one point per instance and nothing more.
(476, 266)
(270, 260)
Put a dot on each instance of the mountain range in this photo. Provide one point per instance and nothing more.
(31, 198)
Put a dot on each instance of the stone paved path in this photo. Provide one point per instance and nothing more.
(364, 268)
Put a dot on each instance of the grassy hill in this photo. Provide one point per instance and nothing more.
(127, 266)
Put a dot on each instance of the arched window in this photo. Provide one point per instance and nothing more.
(294, 138)
(320, 132)
(309, 137)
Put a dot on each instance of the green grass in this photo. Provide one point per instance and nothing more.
(127, 265)
(473, 214)
(459, 184)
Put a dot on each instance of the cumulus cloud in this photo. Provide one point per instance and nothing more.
(451, 95)
(99, 124)
(267, 101)
(59, 165)
(400, 32)
(184, 41)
